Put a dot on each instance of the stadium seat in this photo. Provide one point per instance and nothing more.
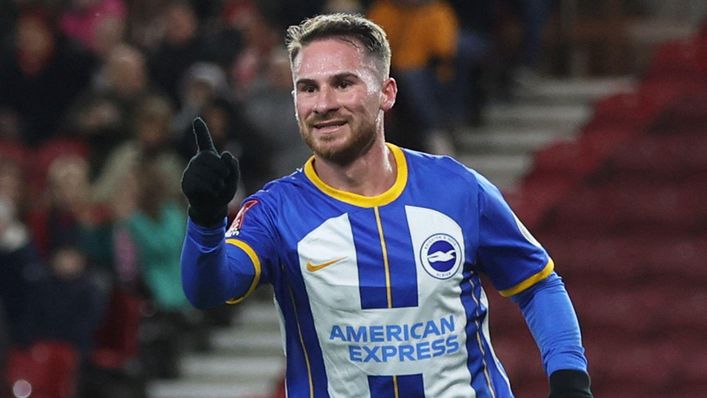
(632, 110)
(48, 369)
(667, 157)
(679, 59)
(116, 340)
(687, 113)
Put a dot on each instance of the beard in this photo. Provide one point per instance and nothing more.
(358, 142)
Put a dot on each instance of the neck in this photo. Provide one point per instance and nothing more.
(371, 174)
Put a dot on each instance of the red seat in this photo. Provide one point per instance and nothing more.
(116, 340)
(684, 59)
(536, 195)
(669, 157)
(48, 369)
(634, 110)
(587, 213)
(632, 360)
(658, 208)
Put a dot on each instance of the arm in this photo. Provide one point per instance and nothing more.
(520, 268)
(553, 323)
(212, 272)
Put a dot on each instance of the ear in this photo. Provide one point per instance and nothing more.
(294, 103)
(389, 91)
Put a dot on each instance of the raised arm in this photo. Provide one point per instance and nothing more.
(211, 275)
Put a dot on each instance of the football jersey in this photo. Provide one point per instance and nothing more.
(380, 296)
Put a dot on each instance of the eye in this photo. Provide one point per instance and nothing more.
(307, 88)
(344, 84)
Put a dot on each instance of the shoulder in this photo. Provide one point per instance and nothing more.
(440, 168)
(281, 190)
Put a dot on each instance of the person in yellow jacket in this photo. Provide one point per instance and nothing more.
(423, 37)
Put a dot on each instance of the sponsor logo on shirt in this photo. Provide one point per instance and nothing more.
(398, 342)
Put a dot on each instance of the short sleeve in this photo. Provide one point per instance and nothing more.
(507, 252)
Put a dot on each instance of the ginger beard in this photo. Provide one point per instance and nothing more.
(338, 108)
(339, 149)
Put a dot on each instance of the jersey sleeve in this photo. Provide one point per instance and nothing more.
(220, 267)
(507, 252)
(252, 237)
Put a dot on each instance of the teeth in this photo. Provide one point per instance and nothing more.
(323, 125)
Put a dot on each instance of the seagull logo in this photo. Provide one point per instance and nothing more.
(441, 256)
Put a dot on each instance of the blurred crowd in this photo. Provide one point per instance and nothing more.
(96, 103)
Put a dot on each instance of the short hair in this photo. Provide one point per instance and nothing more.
(341, 25)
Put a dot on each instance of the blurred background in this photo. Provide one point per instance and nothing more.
(591, 116)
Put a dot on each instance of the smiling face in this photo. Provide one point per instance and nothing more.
(340, 97)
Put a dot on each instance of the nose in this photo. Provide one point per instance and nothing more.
(326, 101)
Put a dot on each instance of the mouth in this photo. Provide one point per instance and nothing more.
(328, 126)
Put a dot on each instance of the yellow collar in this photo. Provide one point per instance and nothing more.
(360, 200)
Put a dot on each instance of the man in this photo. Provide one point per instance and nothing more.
(374, 251)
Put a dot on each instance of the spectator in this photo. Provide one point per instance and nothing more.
(201, 83)
(67, 208)
(152, 139)
(475, 48)
(534, 15)
(157, 228)
(47, 69)
(102, 114)
(70, 215)
(65, 305)
(180, 47)
(423, 37)
(260, 37)
(271, 94)
(97, 24)
(20, 264)
(116, 187)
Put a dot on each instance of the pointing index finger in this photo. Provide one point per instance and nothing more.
(202, 135)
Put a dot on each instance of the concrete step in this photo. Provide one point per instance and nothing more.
(523, 115)
(247, 359)
(207, 389)
(256, 314)
(576, 91)
(488, 140)
(242, 369)
(503, 170)
(222, 376)
(248, 342)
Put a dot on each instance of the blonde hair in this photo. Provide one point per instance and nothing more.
(346, 26)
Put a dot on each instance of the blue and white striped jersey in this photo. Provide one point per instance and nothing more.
(380, 296)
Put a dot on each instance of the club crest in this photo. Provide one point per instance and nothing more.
(441, 256)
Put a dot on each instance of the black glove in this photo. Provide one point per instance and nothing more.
(570, 384)
(209, 181)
